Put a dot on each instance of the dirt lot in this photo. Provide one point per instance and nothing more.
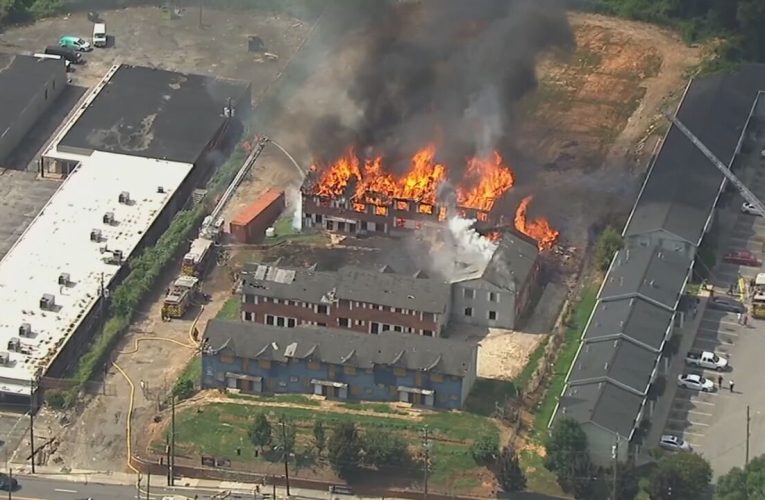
(603, 99)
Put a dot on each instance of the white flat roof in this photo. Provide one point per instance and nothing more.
(58, 241)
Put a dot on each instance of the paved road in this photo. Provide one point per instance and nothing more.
(34, 488)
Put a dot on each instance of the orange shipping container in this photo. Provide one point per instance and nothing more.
(251, 224)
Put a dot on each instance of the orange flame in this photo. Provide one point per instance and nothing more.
(539, 228)
(489, 179)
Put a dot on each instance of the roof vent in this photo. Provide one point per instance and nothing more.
(605, 366)
(5, 358)
(109, 218)
(160, 189)
(14, 344)
(95, 235)
(47, 302)
(652, 283)
(64, 279)
(25, 330)
(124, 198)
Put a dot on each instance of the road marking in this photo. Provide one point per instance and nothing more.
(710, 340)
(697, 434)
(59, 490)
(720, 322)
(699, 413)
(717, 332)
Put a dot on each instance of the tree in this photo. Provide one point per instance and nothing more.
(384, 449)
(609, 242)
(681, 476)
(485, 449)
(260, 431)
(319, 436)
(184, 389)
(627, 483)
(343, 449)
(568, 457)
(285, 437)
(743, 484)
(508, 471)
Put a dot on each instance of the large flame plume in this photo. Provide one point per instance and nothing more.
(538, 228)
(486, 180)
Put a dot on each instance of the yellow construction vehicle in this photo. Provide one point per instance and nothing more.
(198, 257)
(180, 296)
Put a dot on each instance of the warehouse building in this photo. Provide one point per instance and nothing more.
(53, 280)
(28, 87)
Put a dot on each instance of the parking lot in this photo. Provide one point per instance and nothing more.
(715, 423)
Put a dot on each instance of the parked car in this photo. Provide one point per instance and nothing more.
(750, 209)
(727, 304)
(695, 382)
(68, 54)
(742, 258)
(8, 483)
(674, 443)
(75, 43)
(706, 359)
(99, 35)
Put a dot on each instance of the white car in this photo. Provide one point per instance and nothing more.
(695, 382)
(750, 209)
(674, 443)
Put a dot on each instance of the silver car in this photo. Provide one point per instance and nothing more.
(695, 382)
(674, 443)
(749, 208)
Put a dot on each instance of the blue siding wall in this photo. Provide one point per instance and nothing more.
(295, 377)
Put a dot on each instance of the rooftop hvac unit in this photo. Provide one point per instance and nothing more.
(160, 189)
(25, 330)
(64, 279)
(109, 218)
(14, 344)
(95, 235)
(124, 198)
(5, 358)
(115, 258)
(47, 301)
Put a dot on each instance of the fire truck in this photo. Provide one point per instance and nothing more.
(180, 296)
(200, 254)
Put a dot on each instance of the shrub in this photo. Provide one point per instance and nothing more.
(609, 242)
(55, 399)
(384, 449)
(485, 449)
(183, 389)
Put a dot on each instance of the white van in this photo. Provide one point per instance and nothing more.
(99, 35)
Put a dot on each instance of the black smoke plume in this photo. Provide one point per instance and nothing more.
(444, 71)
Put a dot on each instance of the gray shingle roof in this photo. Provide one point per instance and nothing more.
(635, 318)
(352, 283)
(342, 347)
(619, 360)
(656, 274)
(512, 262)
(682, 185)
(602, 403)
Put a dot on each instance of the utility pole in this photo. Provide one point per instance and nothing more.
(172, 441)
(426, 450)
(167, 453)
(138, 485)
(148, 484)
(285, 452)
(32, 438)
(746, 460)
(615, 458)
(10, 481)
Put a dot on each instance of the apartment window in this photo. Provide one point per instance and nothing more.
(291, 322)
(279, 321)
(266, 300)
(468, 312)
(344, 322)
(249, 316)
(436, 377)
(249, 298)
(492, 315)
(322, 309)
(468, 293)
(397, 328)
(226, 358)
(393, 309)
(399, 372)
(264, 363)
(374, 328)
(269, 319)
(427, 333)
(493, 297)
(276, 301)
(314, 365)
(349, 370)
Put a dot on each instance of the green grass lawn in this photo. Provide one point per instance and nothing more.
(231, 309)
(566, 357)
(220, 428)
(285, 232)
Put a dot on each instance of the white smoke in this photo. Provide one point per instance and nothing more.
(456, 252)
(295, 205)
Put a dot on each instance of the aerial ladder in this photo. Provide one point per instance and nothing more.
(745, 192)
(212, 225)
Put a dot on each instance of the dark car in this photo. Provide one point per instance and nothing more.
(742, 258)
(727, 304)
(70, 55)
(8, 483)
